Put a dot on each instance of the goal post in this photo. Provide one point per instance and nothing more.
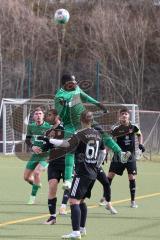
(150, 127)
(15, 115)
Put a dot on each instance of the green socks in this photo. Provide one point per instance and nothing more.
(35, 189)
(69, 163)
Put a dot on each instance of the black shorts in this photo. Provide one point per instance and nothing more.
(118, 167)
(81, 187)
(56, 171)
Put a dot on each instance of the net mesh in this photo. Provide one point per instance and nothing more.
(107, 120)
(18, 112)
(15, 116)
(150, 127)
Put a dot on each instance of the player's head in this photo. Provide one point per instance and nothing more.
(38, 115)
(124, 115)
(52, 116)
(86, 118)
(68, 82)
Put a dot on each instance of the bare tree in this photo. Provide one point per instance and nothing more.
(122, 36)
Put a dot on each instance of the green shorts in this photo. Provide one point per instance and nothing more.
(33, 162)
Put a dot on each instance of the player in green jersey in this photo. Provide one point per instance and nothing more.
(69, 104)
(36, 163)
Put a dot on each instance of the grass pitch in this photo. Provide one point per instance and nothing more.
(20, 221)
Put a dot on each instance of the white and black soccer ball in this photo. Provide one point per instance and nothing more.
(61, 16)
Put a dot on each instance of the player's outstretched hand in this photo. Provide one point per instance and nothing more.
(101, 106)
(142, 148)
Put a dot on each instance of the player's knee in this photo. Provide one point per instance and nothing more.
(25, 178)
(82, 201)
(111, 175)
(36, 174)
(53, 183)
(73, 201)
(52, 193)
(131, 177)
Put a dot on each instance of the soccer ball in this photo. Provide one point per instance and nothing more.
(61, 16)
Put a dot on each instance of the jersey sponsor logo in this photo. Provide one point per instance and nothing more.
(127, 141)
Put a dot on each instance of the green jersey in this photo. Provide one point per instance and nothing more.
(69, 105)
(34, 131)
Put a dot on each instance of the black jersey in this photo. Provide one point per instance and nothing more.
(56, 154)
(125, 136)
(86, 144)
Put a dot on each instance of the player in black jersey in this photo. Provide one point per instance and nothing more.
(86, 144)
(124, 132)
(56, 168)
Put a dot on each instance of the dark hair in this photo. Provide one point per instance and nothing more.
(87, 117)
(124, 109)
(67, 77)
(53, 111)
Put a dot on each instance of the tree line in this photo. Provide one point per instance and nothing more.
(115, 44)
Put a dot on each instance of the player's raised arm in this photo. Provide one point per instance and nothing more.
(59, 143)
(88, 99)
(71, 144)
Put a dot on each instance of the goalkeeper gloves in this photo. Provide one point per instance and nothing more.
(142, 148)
(124, 156)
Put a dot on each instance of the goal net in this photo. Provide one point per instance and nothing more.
(16, 113)
(150, 127)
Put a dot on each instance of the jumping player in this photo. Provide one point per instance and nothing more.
(69, 104)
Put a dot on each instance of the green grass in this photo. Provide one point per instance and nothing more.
(20, 221)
